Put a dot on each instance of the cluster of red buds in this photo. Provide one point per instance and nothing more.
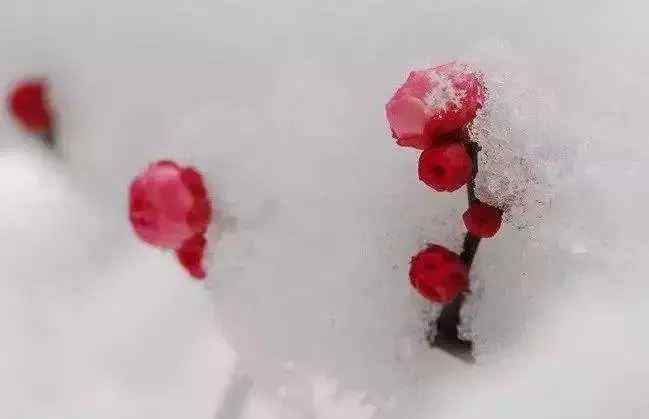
(432, 111)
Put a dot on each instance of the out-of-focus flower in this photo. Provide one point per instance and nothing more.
(169, 208)
(29, 105)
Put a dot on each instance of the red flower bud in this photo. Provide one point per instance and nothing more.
(169, 208)
(28, 104)
(434, 102)
(438, 274)
(482, 220)
(446, 167)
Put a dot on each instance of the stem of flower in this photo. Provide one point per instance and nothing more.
(48, 137)
(471, 242)
(447, 337)
(237, 395)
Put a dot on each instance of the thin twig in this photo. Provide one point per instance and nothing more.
(447, 336)
(49, 137)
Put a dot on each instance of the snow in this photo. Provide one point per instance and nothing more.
(280, 104)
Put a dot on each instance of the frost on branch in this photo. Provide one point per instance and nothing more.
(514, 164)
(527, 154)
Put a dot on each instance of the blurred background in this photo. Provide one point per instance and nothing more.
(307, 312)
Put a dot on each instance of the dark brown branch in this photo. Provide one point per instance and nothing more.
(447, 337)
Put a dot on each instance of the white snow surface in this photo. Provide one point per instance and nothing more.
(307, 311)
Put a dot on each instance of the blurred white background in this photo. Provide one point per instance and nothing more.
(280, 104)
